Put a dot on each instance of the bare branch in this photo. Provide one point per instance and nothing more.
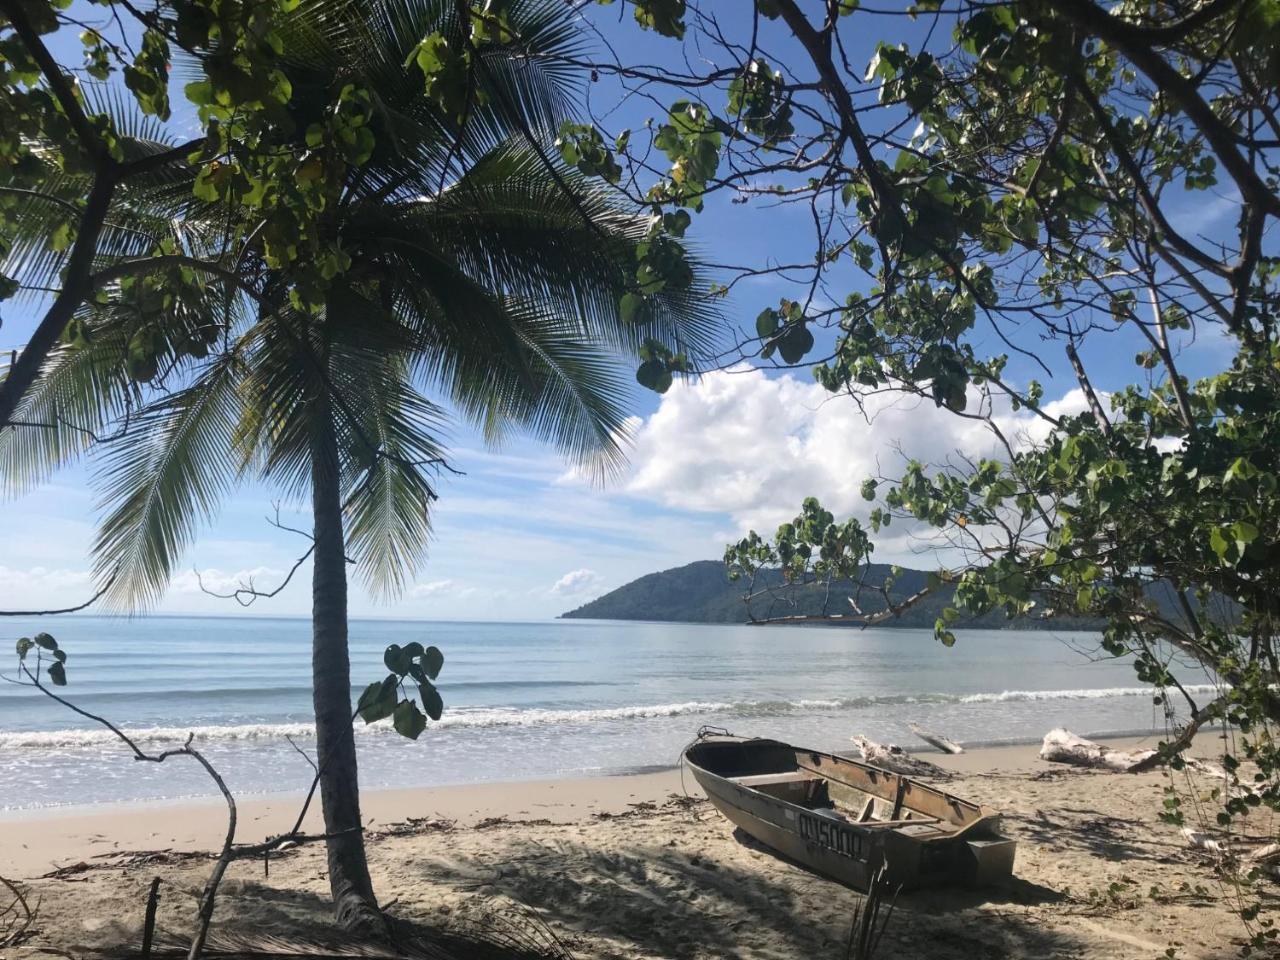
(53, 613)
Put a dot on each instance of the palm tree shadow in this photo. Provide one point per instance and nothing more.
(259, 921)
(659, 900)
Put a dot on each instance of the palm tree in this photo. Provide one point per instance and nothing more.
(494, 290)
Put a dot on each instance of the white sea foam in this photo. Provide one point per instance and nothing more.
(1009, 696)
(464, 718)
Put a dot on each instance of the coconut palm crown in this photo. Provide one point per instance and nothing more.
(479, 276)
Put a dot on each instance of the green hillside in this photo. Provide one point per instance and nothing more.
(701, 592)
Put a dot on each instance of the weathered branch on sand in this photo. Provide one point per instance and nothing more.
(944, 744)
(1062, 746)
(891, 757)
(1238, 853)
(16, 918)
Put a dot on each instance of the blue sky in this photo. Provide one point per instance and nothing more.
(520, 535)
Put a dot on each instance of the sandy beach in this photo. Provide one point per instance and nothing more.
(631, 867)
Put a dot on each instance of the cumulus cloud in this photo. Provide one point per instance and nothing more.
(432, 589)
(754, 446)
(575, 582)
(16, 583)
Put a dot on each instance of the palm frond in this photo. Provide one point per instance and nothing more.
(389, 508)
(563, 241)
(570, 398)
(82, 393)
(162, 482)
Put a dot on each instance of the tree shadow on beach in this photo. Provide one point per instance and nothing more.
(655, 899)
(1099, 834)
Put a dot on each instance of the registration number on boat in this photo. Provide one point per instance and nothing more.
(832, 835)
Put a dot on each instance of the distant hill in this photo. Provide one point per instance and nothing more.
(701, 592)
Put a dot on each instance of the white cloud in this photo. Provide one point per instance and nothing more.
(430, 589)
(43, 588)
(752, 446)
(575, 582)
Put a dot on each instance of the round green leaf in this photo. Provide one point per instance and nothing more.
(432, 661)
(431, 701)
(408, 720)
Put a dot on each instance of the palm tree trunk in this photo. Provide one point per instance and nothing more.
(353, 899)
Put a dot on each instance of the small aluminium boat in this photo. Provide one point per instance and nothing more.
(844, 819)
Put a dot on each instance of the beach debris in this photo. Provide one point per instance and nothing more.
(936, 740)
(70, 870)
(17, 917)
(890, 756)
(1062, 746)
(412, 827)
(1232, 786)
(508, 927)
(488, 823)
(867, 929)
(149, 920)
(1241, 854)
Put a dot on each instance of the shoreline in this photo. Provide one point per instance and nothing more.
(973, 748)
(626, 868)
(68, 836)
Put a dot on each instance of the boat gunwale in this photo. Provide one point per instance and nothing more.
(984, 815)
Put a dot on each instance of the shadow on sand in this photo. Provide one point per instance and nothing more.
(662, 901)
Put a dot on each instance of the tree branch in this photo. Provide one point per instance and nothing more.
(1135, 44)
(58, 85)
(52, 613)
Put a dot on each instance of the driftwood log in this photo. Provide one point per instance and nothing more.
(1244, 854)
(936, 740)
(1062, 746)
(891, 757)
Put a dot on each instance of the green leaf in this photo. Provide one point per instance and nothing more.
(24, 647)
(654, 375)
(795, 343)
(396, 660)
(58, 674)
(663, 16)
(408, 720)
(378, 700)
(1219, 543)
(634, 308)
(432, 661)
(431, 701)
(46, 642)
(767, 322)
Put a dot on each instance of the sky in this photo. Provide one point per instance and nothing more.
(521, 534)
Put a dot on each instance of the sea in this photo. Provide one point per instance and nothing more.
(555, 699)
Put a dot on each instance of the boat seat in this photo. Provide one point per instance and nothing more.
(766, 779)
(831, 813)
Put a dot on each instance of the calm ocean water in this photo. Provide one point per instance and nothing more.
(528, 700)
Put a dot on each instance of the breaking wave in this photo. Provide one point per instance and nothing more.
(1102, 694)
(488, 717)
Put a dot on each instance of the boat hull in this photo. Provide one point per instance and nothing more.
(853, 853)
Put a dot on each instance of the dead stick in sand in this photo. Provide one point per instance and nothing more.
(149, 923)
(936, 740)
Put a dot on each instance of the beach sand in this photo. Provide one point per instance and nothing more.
(630, 867)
